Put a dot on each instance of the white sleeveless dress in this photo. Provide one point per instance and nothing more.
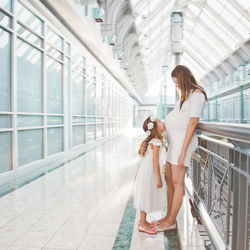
(147, 196)
(176, 124)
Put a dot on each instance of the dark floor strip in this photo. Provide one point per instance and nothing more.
(125, 232)
(171, 240)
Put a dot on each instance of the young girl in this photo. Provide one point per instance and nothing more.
(149, 196)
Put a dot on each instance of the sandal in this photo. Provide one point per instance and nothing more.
(143, 229)
(172, 227)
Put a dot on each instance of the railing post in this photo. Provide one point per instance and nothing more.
(241, 104)
(216, 108)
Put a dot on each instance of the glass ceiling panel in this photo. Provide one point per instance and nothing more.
(196, 10)
(225, 14)
(205, 48)
(202, 37)
(209, 37)
(245, 5)
(197, 54)
(192, 64)
(218, 29)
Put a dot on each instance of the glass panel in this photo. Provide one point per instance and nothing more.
(99, 119)
(76, 57)
(55, 140)
(5, 152)
(67, 49)
(77, 94)
(4, 19)
(77, 119)
(90, 99)
(54, 86)
(6, 4)
(4, 70)
(29, 19)
(5, 121)
(53, 52)
(99, 132)
(78, 135)
(54, 39)
(77, 68)
(90, 119)
(29, 120)
(29, 36)
(247, 105)
(29, 78)
(30, 146)
(99, 96)
(90, 133)
(54, 120)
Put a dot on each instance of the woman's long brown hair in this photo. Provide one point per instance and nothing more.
(186, 82)
(154, 133)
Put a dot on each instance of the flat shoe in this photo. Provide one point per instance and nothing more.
(145, 230)
(172, 227)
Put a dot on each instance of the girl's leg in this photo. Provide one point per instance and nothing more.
(178, 175)
(143, 220)
(170, 190)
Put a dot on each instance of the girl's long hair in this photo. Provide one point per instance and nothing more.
(186, 82)
(154, 134)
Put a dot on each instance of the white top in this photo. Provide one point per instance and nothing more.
(176, 124)
(197, 101)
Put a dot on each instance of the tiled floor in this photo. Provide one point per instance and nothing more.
(77, 206)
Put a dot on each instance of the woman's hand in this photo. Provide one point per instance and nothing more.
(159, 183)
(181, 159)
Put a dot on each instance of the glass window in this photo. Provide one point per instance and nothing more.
(90, 99)
(29, 19)
(77, 94)
(4, 70)
(30, 146)
(90, 133)
(5, 152)
(54, 120)
(5, 121)
(99, 132)
(99, 96)
(77, 119)
(6, 4)
(78, 135)
(29, 78)
(29, 120)
(4, 20)
(54, 53)
(24, 33)
(54, 39)
(67, 49)
(77, 58)
(55, 140)
(54, 86)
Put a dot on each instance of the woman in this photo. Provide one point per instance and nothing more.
(182, 141)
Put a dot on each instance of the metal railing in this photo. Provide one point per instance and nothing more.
(218, 183)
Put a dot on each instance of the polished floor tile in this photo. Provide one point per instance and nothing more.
(81, 205)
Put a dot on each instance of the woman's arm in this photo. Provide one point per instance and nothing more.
(197, 100)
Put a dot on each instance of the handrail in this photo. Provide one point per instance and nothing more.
(237, 132)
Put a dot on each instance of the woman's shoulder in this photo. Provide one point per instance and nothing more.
(195, 91)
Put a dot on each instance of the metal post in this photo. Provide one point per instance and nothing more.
(241, 104)
(216, 108)
(13, 79)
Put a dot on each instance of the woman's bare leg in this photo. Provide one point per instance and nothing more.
(170, 191)
(178, 175)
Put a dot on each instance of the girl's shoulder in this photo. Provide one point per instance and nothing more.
(155, 142)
